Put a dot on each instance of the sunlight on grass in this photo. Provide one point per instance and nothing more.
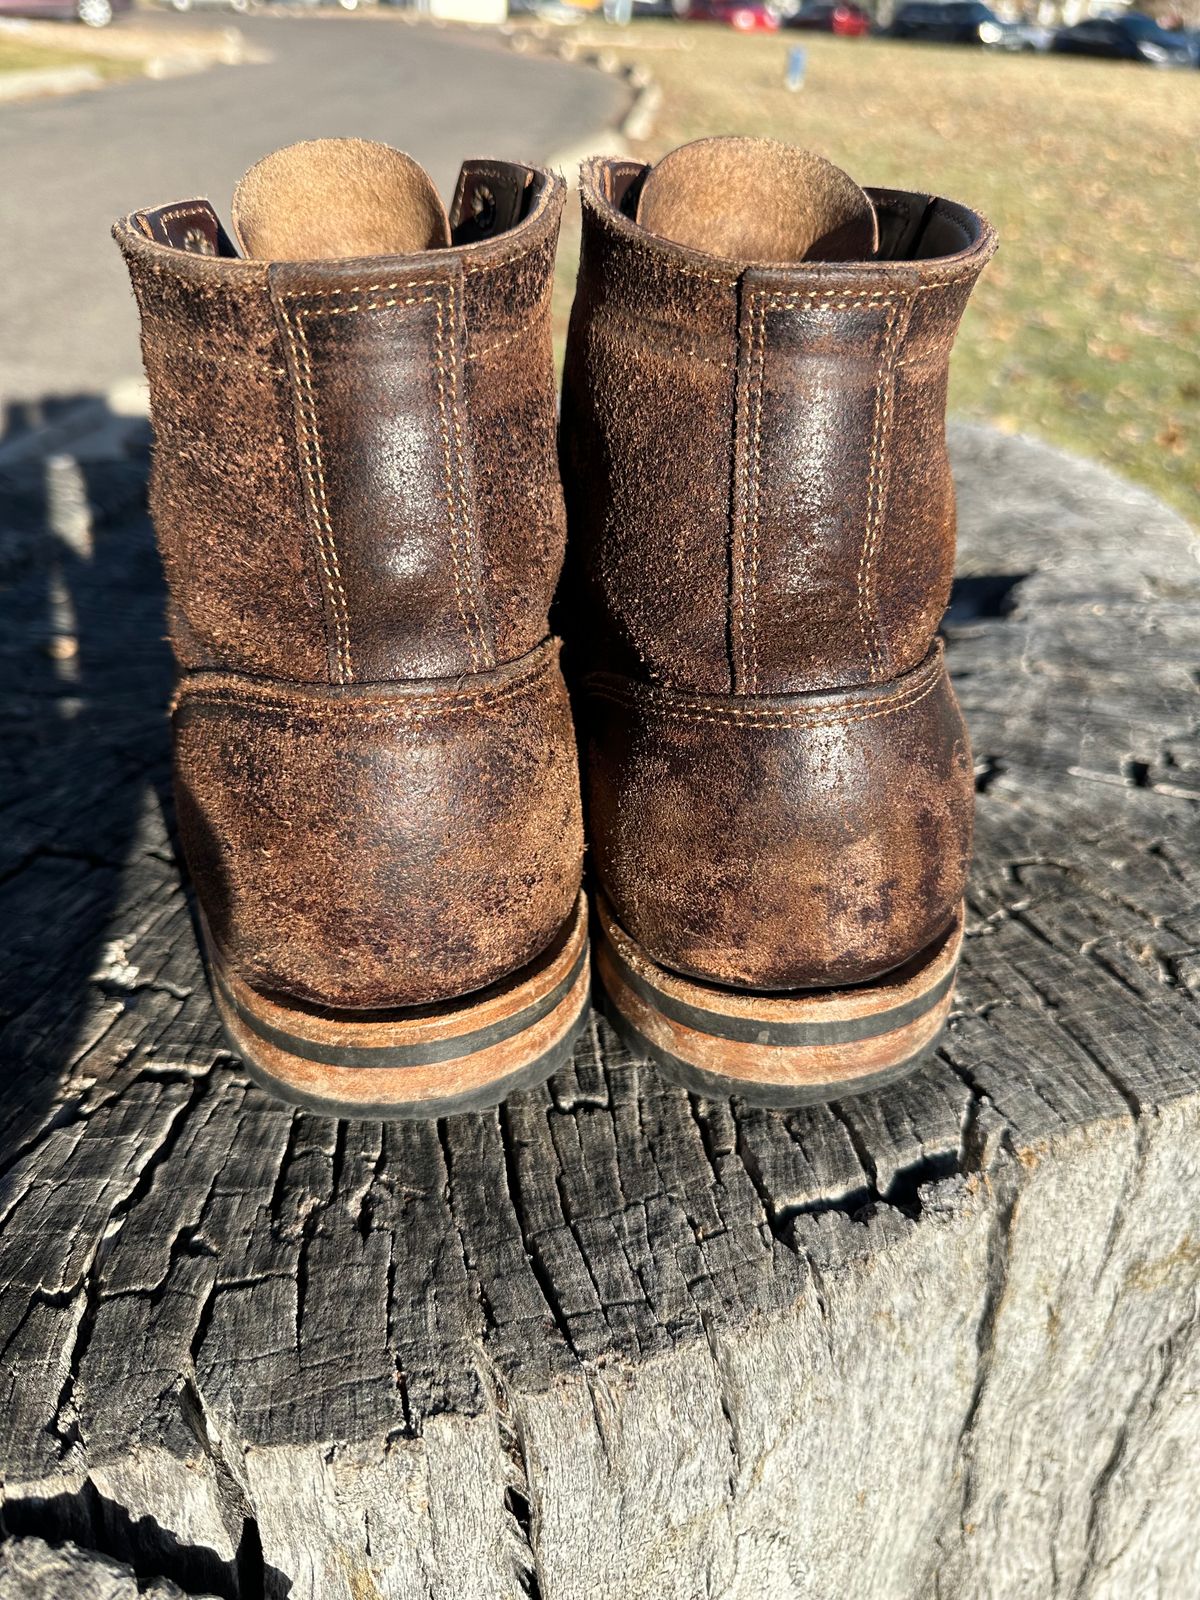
(1084, 329)
(22, 55)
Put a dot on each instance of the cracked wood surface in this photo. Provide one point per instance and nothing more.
(610, 1340)
(30, 1569)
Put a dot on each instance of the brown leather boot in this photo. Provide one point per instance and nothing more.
(762, 533)
(359, 512)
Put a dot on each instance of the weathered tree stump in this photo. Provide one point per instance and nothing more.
(30, 1569)
(609, 1340)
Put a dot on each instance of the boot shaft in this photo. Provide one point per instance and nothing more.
(355, 478)
(760, 494)
(762, 544)
(357, 503)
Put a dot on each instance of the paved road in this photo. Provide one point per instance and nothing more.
(70, 166)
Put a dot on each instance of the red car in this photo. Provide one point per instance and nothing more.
(747, 16)
(832, 16)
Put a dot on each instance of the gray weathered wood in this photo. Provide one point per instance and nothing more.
(30, 1569)
(609, 1340)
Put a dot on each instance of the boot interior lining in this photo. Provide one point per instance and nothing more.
(912, 227)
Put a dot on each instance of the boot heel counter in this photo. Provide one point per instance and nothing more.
(787, 841)
(378, 847)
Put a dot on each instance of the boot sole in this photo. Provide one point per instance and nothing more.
(791, 1049)
(416, 1061)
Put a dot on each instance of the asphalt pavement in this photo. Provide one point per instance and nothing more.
(70, 166)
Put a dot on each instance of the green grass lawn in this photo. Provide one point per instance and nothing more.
(1086, 328)
(23, 55)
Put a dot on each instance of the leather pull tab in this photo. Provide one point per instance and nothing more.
(490, 198)
(190, 225)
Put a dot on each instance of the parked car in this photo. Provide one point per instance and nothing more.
(1132, 37)
(196, 5)
(747, 16)
(1026, 36)
(831, 16)
(960, 22)
(346, 5)
(92, 13)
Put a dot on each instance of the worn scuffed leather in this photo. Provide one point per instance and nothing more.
(358, 508)
(761, 512)
(389, 846)
(715, 818)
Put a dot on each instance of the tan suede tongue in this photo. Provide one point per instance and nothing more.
(337, 197)
(757, 202)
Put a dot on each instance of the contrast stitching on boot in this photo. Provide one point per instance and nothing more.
(845, 297)
(407, 708)
(525, 252)
(526, 331)
(736, 719)
(250, 274)
(906, 683)
(451, 502)
(787, 300)
(950, 283)
(314, 475)
(668, 263)
(534, 241)
(261, 369)
(740, 531)
(464, 505)
(366, 289)
(180, 211)
(658, 704)
(423, 283)
(758, 370)
(664, 339)
(366, 303)
(868, 619)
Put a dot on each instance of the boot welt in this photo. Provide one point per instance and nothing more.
(777, 1049)
(416, 1061)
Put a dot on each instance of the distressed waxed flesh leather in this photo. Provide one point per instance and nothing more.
(761, 547)
(422, 825)
(358, 508)
(713, 819)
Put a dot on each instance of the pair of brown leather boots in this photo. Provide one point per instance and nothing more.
(359, 509)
